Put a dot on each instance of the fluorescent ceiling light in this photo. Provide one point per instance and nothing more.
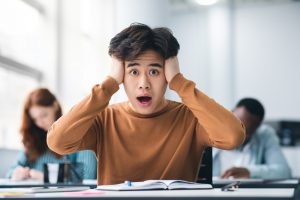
(206, 2)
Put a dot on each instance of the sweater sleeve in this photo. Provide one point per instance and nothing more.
(77, 130)
(218, 126)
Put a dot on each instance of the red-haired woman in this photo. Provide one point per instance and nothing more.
(40, 111)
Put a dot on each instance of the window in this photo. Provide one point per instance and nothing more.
(13, 88)
(27, 59)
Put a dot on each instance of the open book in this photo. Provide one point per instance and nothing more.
(155, 185)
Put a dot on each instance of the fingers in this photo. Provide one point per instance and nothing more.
(228, 173)
(117, 69)
(236, 172)
(171, 68)
(20, 173)
(35, 174)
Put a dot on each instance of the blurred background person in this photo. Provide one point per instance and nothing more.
(41, 110)
(259, 156)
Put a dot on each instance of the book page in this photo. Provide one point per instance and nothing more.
(180, 184)
(144, 185)
(155, 185)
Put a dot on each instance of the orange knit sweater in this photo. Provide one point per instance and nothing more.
(130, 146)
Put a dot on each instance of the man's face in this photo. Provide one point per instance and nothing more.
(250, 121)
(145, 82)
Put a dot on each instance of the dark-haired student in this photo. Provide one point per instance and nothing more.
(40, 110)
(148, 136)
(259, 156)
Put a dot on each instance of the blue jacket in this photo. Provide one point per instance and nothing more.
(266, 158)
(86, 157)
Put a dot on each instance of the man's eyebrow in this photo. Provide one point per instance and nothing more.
(155, 65)
(132, 64)
(151, 65)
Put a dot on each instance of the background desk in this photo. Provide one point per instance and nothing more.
(7, 183)
(252, 183)
(249, 194)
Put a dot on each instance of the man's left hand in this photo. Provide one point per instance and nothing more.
(236, 172)
(171, 68)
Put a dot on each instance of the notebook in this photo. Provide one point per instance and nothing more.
(155, 185)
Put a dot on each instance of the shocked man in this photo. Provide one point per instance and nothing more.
(148, 136)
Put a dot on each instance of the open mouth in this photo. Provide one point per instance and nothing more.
(144, 99)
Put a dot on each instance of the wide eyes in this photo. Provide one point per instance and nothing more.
(152, 72)
(134, 72)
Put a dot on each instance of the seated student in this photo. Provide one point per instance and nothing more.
(41, 109)
(259, 156)
(148, 136)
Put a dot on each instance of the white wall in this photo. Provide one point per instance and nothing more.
(205, 35)
(85, 34)
(268, 56)
(190, 29)
(153, 13)
(265, 53)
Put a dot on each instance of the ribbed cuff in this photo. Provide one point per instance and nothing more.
(109, 86)
(176, 82)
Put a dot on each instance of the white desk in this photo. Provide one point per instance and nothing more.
(7, 183)
(257, 194)
(292, 156)
(258, 183)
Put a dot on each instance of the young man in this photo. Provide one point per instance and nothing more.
(146, 137)
(260, 155)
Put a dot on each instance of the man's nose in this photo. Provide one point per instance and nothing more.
(144, 82)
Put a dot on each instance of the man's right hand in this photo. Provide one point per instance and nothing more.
(117, 69)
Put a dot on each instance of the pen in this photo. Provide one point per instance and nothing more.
(128, 183)
(231, 187)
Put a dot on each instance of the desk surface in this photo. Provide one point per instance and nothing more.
(244, 183)
(257, 194)
(7, 183)
(258, 183)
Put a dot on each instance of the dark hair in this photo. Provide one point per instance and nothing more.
(33, 137)
(137, 38)
(253, 106)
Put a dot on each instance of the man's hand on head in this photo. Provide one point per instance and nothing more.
(117, 69)
(171, 68)
(236, 172)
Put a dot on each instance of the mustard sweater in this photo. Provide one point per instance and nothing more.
(130, 146)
